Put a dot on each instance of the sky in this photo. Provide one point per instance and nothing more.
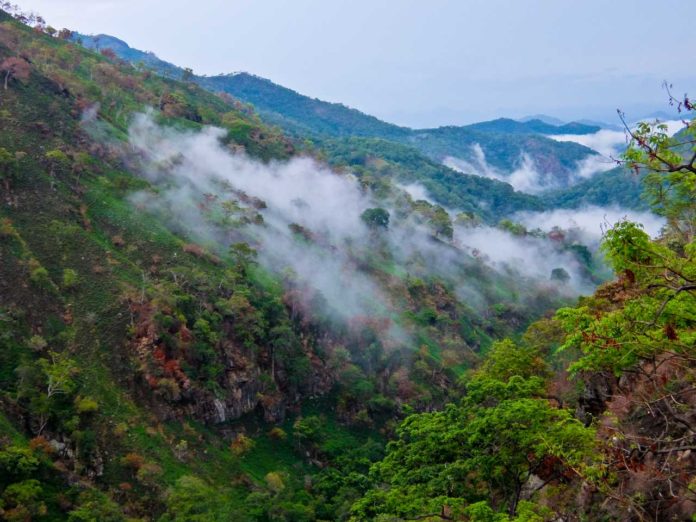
(422, 63)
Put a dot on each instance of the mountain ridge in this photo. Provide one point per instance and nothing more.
(504, 142)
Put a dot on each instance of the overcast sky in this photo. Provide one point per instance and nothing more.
(421, 62)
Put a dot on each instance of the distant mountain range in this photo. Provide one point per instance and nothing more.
(506, 145)
(532, 126)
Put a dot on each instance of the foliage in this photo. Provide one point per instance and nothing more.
(486, 448)
(658, 305)
(376, 218)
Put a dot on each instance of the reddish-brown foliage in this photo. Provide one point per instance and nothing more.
(14, 67)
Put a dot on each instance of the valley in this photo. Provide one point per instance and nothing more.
(221, 299)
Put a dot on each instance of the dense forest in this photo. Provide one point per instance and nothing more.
(214, 309)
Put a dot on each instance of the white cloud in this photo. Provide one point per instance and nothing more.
(526, 176)
(591, 220)
(607, 142)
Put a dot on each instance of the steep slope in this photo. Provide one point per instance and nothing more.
(616, 187)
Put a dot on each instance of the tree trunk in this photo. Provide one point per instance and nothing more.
(7, 78)
(273, 365)
(516, 498)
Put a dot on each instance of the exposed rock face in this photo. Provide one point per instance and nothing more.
(251, 379)
(593, 401)
(242, 394)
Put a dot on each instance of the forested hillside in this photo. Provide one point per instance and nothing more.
(205, 316)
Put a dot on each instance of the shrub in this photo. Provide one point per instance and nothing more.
(242, 445)
(37, 343)
(70, 278)
(275, 481)
(39, 276)
(278, 434)
(86, 405)
(132, 461)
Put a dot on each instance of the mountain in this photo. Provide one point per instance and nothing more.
(618, 187)
(196, 308)
(205, 317)
(532, 126)
(126, 52)
(297, 112)
(602, 124)
(505, 143)
(543, 117)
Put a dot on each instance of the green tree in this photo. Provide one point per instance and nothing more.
(670, 163)
(193, 500)
(57, 160)
(243, 256)
(487, 448)
(657, 321)
(375, 218)
(94, 506)
(309, 431)
(22, 501)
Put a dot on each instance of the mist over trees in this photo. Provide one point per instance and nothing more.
(218, 310)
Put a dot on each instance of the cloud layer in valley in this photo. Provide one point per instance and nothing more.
(526, 176)
(311, 234)
(592, 220)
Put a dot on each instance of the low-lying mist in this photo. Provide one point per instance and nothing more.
(591, 221)
(611, 143)
(527, 176)
(305, 222)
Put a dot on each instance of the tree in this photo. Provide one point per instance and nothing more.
(23, 501)
(560, 274)
(243, 256)
(187, 75)
(15, 68)
(7, 162)
(441, 222)
(57, 161)
(46, 387)
(193, 500)
(670, 162)
(60, 372)
(486, 449)
(375, 218)
(310, 431)
(94, 506)
(516, 229)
